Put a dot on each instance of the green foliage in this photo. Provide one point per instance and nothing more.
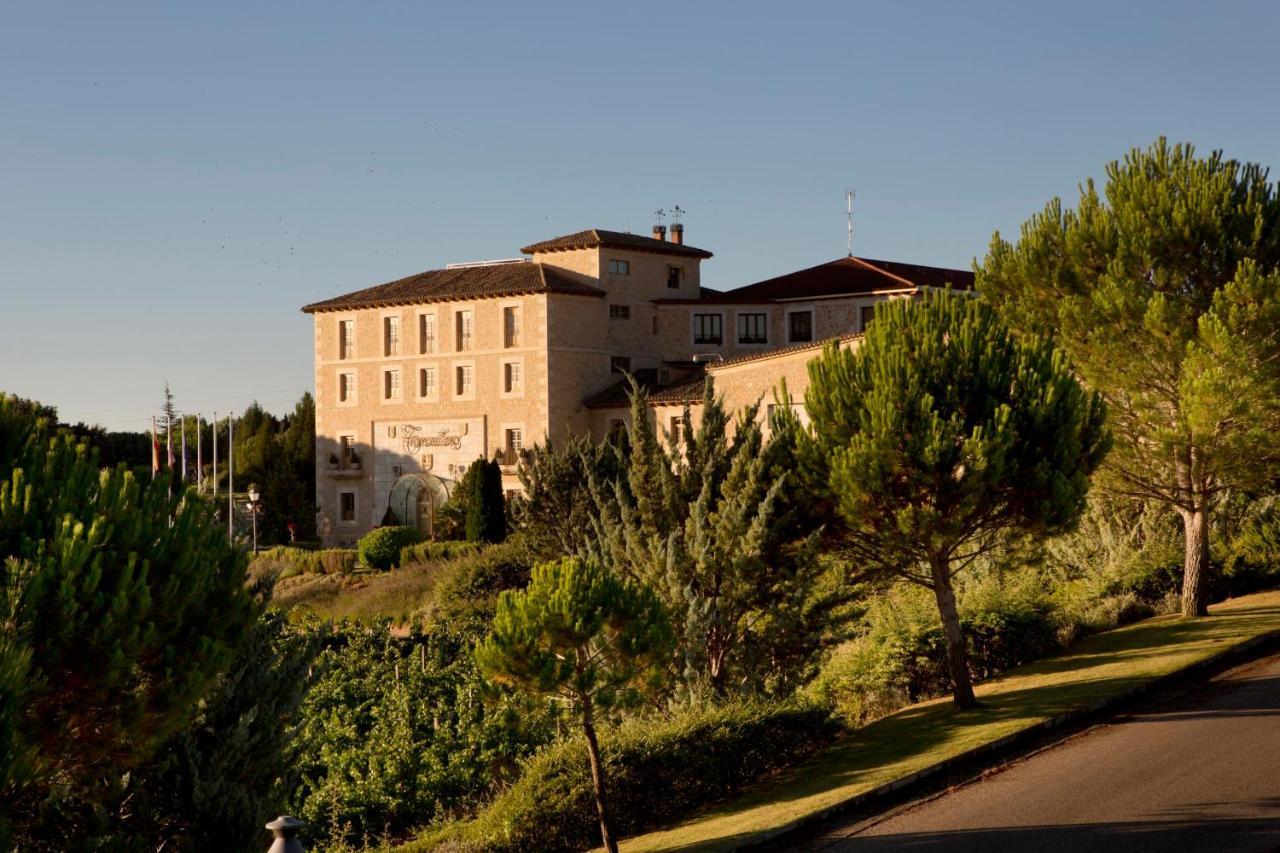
(940, 437)
(659, 770)
(425, 552)
(467, 593)
(555, 514)
(129, 603)
(701, 523)
(1166, 296)
(217, 782)
(283, 561)
(579, 635)
(380, 548)
(479, 493)
(395, 734)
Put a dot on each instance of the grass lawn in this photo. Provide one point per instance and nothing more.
(396, 594)
(1098, 668)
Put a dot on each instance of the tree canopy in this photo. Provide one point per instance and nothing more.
(940, 435)
(1163, 289)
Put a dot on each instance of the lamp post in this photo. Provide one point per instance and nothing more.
(255, 506)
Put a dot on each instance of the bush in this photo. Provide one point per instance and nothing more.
(285, 561)
(425, 552)
(658, 771)
(380, 548)
(467, 592)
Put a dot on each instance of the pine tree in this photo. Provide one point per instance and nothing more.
(940, 436)
(1166, 296)
(128, 600)
(581, 636)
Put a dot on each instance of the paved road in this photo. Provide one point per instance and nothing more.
(1199, 772)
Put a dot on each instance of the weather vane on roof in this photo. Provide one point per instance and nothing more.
(676, 213)
(660, 214)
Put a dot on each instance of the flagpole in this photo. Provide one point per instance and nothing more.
(168, 450)
(155, 450)
(231, 476)
(199, 457)
(183, 478)
(215, 454)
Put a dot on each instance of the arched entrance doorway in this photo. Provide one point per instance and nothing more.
(414, 500)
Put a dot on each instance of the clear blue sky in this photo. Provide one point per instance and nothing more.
(176, 180)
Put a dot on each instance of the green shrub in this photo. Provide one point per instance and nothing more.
(658, 771)
(380, 548)
(468, 588)
(425, 552)
(285, 561)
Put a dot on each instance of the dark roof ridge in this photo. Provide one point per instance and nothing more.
(591, 238)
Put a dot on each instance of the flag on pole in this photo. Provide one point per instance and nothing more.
(199, 457)
(168, 442)
(183, 476)
(155, 449)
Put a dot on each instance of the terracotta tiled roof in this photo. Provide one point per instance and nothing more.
(471, 282)
(686, 389)
(780, 351)
(596, 237)
(846, 276)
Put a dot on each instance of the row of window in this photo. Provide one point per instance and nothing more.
(428, 342)
(753, 328)
(675, 274)
(428, 382)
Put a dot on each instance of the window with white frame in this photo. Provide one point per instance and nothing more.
(346, 387)
(346, 339)
(799, 326)
(390, 335)
(674, 431)
(347, 447)
(708, 329)
(426, 382)
(513, 443)
(752, 329)
(512, 380)
(426, 333)
(463, 377)
(511, 326)
(619, 312)
(391, 384)
(617, 267)
(464, 326)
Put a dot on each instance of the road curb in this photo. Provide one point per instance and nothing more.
(895, 786)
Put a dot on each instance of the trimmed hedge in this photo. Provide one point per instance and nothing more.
(380, 548)
(658, 771)
(332, 561)
(425, 552)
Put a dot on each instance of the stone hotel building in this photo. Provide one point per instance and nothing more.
(417, 378)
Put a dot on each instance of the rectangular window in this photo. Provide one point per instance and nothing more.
(868, 314)
(462, 377)
(426, 333)
(619, 364)
(708, 329)
(800, 326)
(617, 427)
(511, 326)
(674, 432)
(511, 379)
(348, 449)
(751, 329)
(346, 387)
(427, 382)
(347, 504)
(391, 335)
(463, 327)
(675, 276)
(619, 312)
(346, 339)
(390, 384)
(620, 267)
(514, 443)
(655, 324)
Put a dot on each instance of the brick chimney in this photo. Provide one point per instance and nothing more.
(660, 232)
(677, 233)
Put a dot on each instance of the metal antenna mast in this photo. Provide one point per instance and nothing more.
(848, 199)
